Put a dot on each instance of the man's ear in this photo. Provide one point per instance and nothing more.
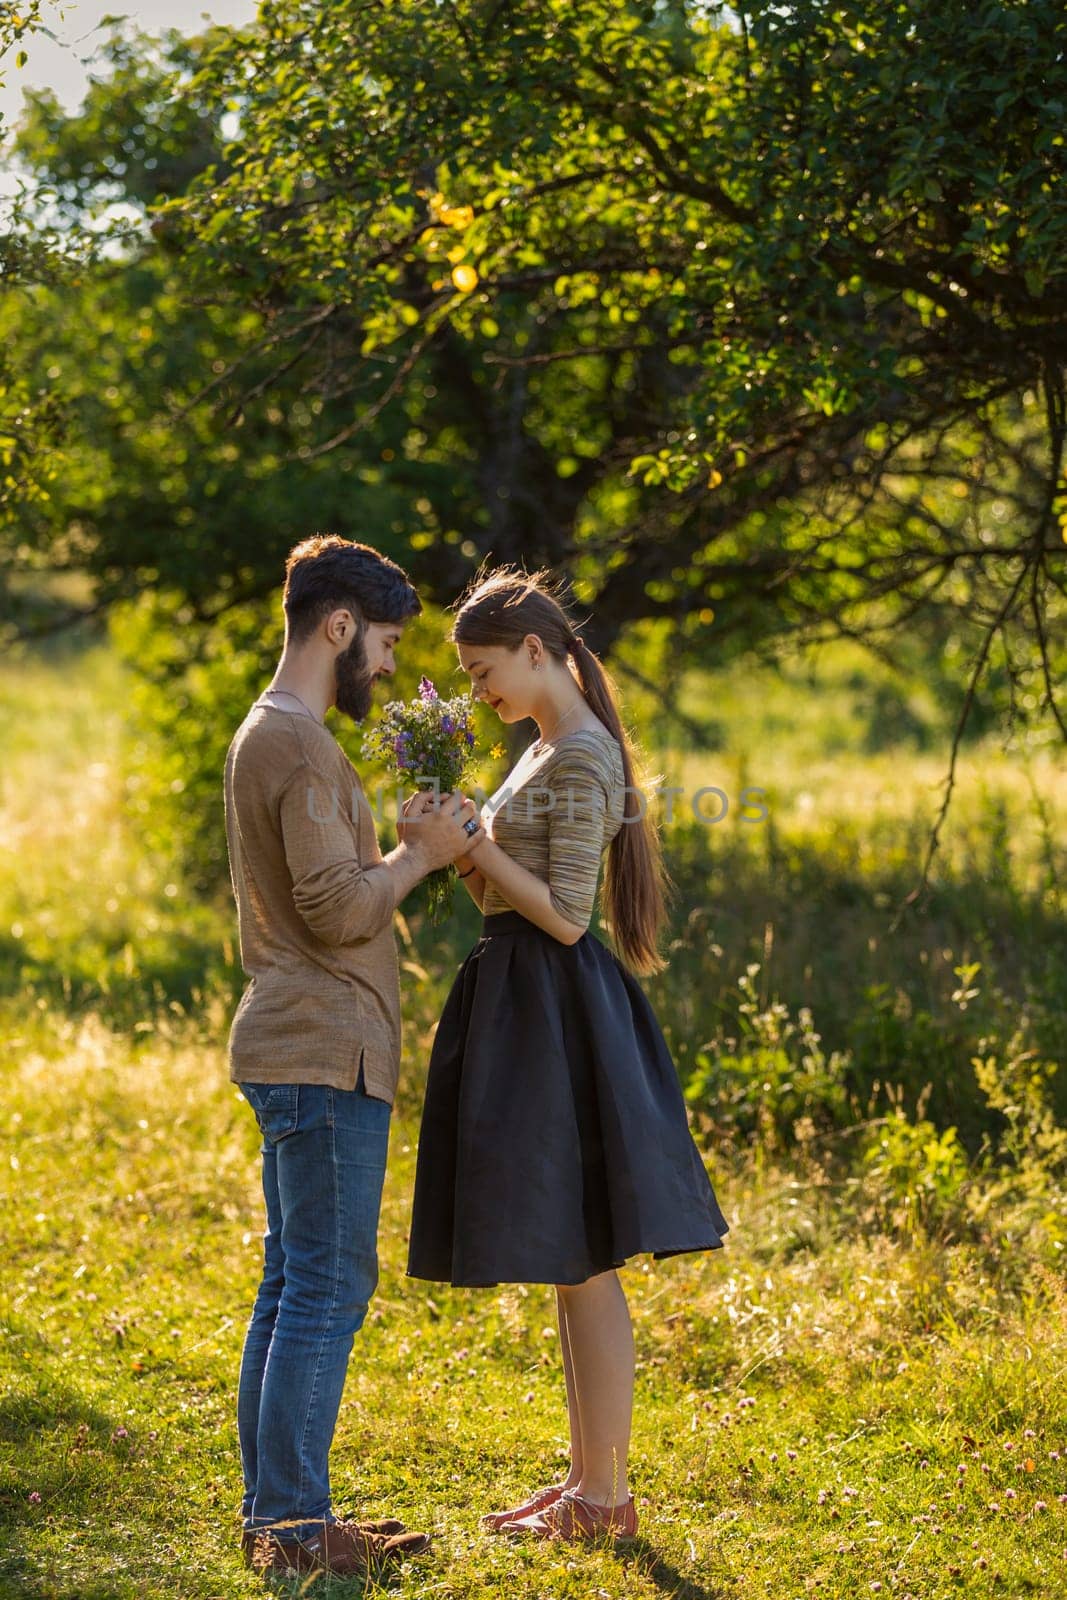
(342, 627)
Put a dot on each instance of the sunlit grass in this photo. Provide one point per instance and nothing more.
(807, 1398)
(819, 743)
(83, 908)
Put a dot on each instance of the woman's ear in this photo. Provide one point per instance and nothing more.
(536, 651)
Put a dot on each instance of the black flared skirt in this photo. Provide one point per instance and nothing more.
(554, 1141)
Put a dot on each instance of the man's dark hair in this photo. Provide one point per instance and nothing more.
(326, 573)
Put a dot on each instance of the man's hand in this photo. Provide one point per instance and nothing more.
(415, 808)
(433, 827)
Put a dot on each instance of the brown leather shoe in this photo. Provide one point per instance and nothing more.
(398, 1546)
(340, 1547)
(385, 1528)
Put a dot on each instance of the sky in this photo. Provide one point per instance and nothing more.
(60, 64)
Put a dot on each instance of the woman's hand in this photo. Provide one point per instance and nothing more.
(465, 862)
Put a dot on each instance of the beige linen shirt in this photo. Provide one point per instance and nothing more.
(314, 917)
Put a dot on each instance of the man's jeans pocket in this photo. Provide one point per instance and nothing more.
(277, 1107)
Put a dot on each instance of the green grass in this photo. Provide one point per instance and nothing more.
(806, 1398)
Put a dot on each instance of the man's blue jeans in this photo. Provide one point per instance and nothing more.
(324, 1156)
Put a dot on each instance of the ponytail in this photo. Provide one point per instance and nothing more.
(634, 879)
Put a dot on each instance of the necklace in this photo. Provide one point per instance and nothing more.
(299, 702)
(559, 724)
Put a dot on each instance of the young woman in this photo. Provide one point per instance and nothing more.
(554, 1140)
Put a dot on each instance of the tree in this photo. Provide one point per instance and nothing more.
(151, 492)
(751, 321)
(760, 317)
(28, 420)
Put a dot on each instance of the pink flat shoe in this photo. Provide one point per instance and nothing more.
(574, 1519)
(497, 1521)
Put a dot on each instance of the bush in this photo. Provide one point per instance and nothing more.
(759, 1085)
(914, 1173)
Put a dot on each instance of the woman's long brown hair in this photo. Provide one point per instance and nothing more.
(501, 608)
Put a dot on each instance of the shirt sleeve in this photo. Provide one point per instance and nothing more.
(340, 901)
(576, 828)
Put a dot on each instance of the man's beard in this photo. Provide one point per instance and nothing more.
(355, 685)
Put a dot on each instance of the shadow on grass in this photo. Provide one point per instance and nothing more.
(647, 1560)
(49, 1430)
(60, 1442)
(16, 1587)
(52, 1586)
(26, 1416)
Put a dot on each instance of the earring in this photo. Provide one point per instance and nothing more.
(537, 666)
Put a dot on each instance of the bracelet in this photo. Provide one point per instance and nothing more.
(467, 873)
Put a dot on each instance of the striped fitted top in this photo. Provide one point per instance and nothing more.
(555, 814)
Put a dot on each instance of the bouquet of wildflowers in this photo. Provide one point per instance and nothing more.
(429, 741)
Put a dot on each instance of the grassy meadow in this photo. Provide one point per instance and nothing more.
(865, 1393)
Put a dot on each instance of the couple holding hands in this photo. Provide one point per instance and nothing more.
(554, 1141)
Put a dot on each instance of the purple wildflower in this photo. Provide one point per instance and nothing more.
(470, 738)
(426, 689)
